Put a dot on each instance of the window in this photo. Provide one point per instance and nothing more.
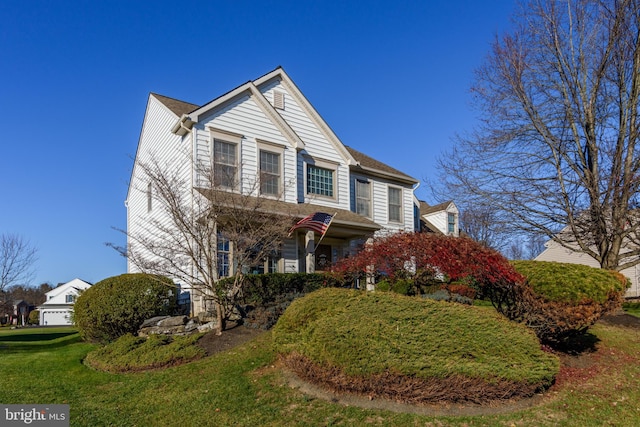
(363, 198)
(69, 299)
(149, 197)
(319, 181)
(269, 173)
(225, 165)
(395, 204)
(451, 223)
(223, 255)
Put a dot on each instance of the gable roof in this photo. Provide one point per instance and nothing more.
(176, 106)
(191, 113)
(426, 209)
(371, 165)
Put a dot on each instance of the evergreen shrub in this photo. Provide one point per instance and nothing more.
(118, 305)
(563, 300)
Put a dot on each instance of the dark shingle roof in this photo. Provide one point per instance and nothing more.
(371, 163)
(176, 106)
(426, 209)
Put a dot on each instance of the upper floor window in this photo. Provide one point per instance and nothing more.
(225, 163)
(69, 299)
(395, 204)
(269, 173)
(451, 223)
(319, 181)
(363, 198)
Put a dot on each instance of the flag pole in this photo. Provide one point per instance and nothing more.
(325, 232)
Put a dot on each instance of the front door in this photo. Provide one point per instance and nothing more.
(323, 257)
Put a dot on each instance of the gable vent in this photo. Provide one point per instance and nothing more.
(278, 100)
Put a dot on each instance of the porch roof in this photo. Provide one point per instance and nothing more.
(345, 224)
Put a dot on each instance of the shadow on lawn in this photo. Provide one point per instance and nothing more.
(38, 342)
(35, 337)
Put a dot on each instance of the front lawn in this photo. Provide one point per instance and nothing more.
(245, 387)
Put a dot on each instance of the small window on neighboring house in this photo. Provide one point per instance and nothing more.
(451, 223)
(223, 255)
(319, 181)
(225, 166)
(70, 298)
(363, 198)
(269, 173)
(395, 204)
(149, 197)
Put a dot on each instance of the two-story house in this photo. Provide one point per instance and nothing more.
(58, 308)
(266, 130)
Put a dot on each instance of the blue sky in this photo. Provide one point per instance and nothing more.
(391, 79)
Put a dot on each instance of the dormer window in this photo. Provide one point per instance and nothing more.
(451, 223)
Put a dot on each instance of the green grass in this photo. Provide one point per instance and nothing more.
(412, 336)
(243, 388)
(632, 308)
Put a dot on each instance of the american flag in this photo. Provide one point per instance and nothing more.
(318, 222)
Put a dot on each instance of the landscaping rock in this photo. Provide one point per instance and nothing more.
(209, 326)
(173, 321)
(153, 321)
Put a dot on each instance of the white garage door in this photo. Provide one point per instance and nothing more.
(55, 317)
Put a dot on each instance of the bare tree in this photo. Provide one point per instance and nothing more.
(223, 226)
(17, 257)
(479, 223)
(555, 153)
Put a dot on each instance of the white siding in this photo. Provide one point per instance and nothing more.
(243, 116)
(317, 146)
(156, 143)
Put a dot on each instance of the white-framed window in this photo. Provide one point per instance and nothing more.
(225, 153)
(320, 181)
(270, 173)
(451, 223)
(225, 163)
(223, 254)
(395, 204)
(363, 197)
(69, 298)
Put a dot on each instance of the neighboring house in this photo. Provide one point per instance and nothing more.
(21, 310)
(266, 127)
(57, 309)
(442, 218)
(555, 252)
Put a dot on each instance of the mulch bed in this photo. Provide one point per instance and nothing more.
(233, 336)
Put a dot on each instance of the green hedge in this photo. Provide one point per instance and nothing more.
(260, 289)
(118, 305)
(376, 342)
(562, 300)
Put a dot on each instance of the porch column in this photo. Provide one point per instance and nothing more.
(310, 259)
(370, 272)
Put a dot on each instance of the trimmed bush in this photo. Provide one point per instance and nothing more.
(264, 297)
(419, 263)
(34, 317)
(563, 300)
(410, 349)
(130, 353)
(118, 305)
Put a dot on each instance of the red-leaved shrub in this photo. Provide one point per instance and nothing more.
(430, 259)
